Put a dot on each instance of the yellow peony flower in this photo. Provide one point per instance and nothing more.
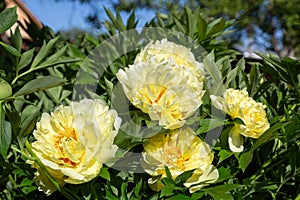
(164, 85)
(74, 141)
(238, 104)
(180, 150)
(165, 51)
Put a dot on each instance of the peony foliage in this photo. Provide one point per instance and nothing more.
(166, 111)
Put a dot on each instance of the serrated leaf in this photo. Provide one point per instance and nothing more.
(38, 84)
(8, 18)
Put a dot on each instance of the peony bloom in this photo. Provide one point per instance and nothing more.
(180, 150)
(74, 141)
(165, 85)
(238, 104)
(164, 50)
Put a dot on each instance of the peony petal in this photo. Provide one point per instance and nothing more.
(218, 102)
(199, 179)
(235, 140)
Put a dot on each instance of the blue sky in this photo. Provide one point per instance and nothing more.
(66, 15)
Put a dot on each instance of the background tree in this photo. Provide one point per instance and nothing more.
(261, 25)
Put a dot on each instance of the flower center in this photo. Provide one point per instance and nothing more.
(152, 93)
(158, 98)
(71, 150)
(174, 158)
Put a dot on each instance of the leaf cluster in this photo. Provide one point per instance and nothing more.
(45, 75)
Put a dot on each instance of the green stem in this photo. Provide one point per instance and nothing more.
(15, 186)
(19, 76)
(66, 193)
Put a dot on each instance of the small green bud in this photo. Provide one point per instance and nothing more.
(5, 89)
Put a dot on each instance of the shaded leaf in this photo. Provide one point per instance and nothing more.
(244, 160)
(5, 133)
(8, 18)
(25, 59)
(221, 192)
(40, 84)
(10, 49)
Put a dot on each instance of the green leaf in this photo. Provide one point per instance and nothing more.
(16, 39)
(244, 160)
(268, 135)
(180, 27)
(197, 195)
(44, 51)
(167, 189)
(57, 62)
(224, 174)
(215, 84)
(131, 23)
(109, 87)
(209, 124)
(183, 177)
(28, 120)
(233, 73)
(180, 197)
(10, 49)
(215, 27)
(25, 59)
(202, 26)
(191, 22)
(221, 192)
(8, 18)
(38, 84)
(224, 154)
(104, 173)
(5, 133)
(168, 173)
(137, 188)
